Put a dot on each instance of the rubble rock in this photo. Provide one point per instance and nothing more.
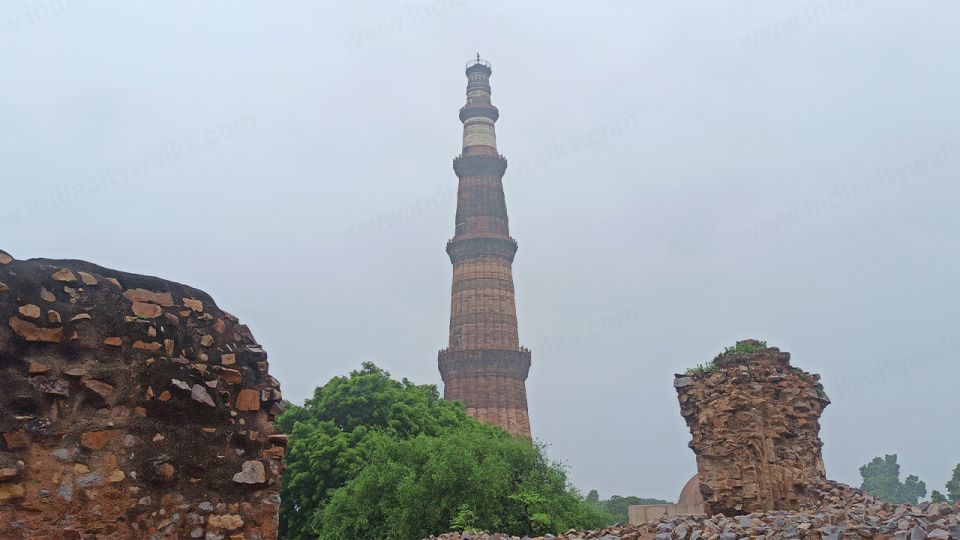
(200, 394)
(95, 440)
(31, 332)
(147, 311)
(100, 388)
(11, 491)
(162, 299)
(253, 473)
(839, 511)
(248, 400)
(30, 310)
(37, 368)
(64, 275)
(227, 522)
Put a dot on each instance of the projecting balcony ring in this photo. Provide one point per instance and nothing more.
(497, 362)
(460, 249)
(482, 165)
(486, 111)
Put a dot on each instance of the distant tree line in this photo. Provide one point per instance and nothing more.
(881, 478)
(617, 507)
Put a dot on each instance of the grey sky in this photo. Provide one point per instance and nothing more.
(682, 175)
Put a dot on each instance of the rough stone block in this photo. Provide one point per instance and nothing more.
(120, 433)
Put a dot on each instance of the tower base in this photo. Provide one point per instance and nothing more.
(491, 384)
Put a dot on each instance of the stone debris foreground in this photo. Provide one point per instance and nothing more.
(130, 407)
(755, 426)
(755, 422)
(840, 513)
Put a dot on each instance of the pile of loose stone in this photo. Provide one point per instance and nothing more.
(755, 425)
(843, 513)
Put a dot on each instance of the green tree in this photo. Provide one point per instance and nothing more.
(372, 457)
(330, 437)
(953, 486)
(412, 488)
(937, 497)
(881, 478)
(464, 520)
(912, 490)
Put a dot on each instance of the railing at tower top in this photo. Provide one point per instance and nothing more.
(477, 62)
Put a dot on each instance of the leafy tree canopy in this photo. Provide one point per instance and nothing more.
(373, 457)
(953, 485)
(881, 478)
(330, 435)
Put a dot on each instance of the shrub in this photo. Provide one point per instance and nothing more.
(372, 457)
(746, 347)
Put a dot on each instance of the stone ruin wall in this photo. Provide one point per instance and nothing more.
(755, 422)
(130, 407)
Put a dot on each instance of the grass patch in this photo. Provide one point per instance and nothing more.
(741, 347)
(746, 347)
(702, 369)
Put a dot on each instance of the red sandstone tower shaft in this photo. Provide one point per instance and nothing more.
(484, 366)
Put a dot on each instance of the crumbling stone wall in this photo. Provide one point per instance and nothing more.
(130, 407)
(755, 425)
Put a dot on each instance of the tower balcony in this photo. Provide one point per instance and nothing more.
(472, 247)
(480, 165)
(476, 65)
(472, 110)
(512, 363)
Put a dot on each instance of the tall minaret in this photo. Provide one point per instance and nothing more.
(484, 366)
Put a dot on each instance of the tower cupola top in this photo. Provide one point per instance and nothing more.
(477, 65)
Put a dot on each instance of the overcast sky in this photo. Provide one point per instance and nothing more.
(682, 175)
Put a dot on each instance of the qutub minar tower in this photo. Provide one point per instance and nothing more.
(484, 366)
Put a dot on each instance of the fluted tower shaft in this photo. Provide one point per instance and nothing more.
(484, 366)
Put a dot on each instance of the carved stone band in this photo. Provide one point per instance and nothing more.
(484, 246)
(488, 362)
(487, 111)
(479, 166)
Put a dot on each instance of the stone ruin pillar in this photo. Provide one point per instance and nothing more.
(130, 407)
(755, 425)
